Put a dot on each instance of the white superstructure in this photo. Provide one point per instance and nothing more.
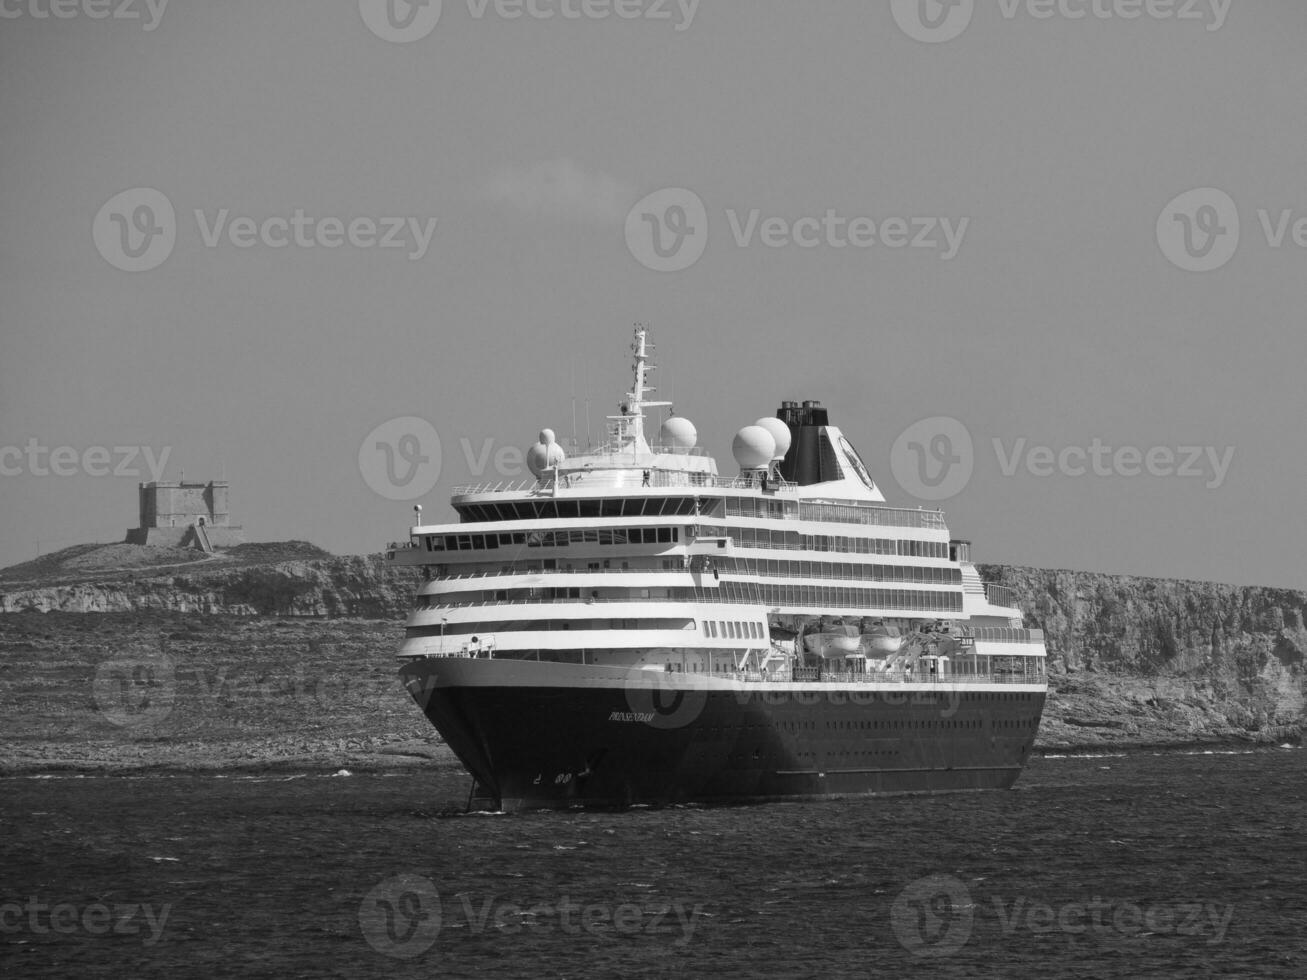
(639, 554)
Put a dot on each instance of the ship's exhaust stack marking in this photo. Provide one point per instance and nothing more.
(811, 458)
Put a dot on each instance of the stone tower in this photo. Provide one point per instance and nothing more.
(186, 514)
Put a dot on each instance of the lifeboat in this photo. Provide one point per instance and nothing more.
(880, 641)
(832, 645)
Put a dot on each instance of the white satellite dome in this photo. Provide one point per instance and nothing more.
(678, 432)
(545, 454)
(753, 447)
(779, 431)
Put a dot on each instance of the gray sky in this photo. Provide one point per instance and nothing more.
(1063, 319)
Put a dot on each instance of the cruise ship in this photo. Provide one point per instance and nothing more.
(630, 627)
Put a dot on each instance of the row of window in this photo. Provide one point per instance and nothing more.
(550, 625)
(482, 568)
(762, 537)
(816, 596)
(779, 510)
(553, 539)
(787, 570)
(730, 506)
(744, 537)
(839, 597)
(553, 507)
(1007, 634)
(880, 516)
(733, 630)
(846, 571)
(764, 567)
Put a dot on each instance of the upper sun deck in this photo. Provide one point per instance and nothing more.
(598, 477)
(796, 467)
(666, 495)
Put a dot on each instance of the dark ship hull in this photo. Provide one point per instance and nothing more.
(552, 735)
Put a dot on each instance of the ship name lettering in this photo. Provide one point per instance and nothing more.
(641, 716)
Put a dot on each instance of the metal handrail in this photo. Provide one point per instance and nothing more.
(814, 675)
(735, 574)
(657, 478)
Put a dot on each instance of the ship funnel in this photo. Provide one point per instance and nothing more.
(811, 457)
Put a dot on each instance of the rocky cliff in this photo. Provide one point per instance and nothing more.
(331, 587)
(1143, 660)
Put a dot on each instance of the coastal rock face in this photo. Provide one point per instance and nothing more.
(1140, 659)
(357, 586)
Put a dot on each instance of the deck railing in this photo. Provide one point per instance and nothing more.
(1000, 595)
